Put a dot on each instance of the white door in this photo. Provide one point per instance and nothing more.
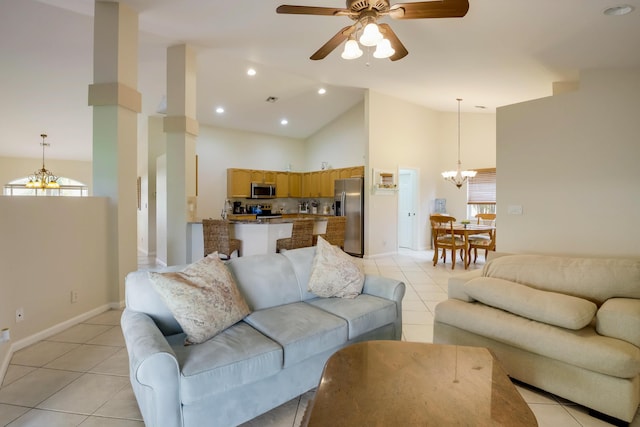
(407, 209)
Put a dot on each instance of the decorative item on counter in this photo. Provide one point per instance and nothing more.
(314, 206)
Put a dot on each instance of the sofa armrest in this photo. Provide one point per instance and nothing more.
(455, 290)
(384, 287)
(620, 318)
(154, 370)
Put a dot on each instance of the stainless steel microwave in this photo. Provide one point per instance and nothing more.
(262, 191)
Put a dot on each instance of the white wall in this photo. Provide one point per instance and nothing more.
(341, 143)
(571, 162)
(401, 135)
(49, 247)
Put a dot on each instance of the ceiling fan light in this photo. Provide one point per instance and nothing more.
(383, 49)
(351, 50)
(371, 35)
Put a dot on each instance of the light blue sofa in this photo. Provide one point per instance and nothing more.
(275, 354)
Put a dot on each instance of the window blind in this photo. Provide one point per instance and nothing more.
(482, 187)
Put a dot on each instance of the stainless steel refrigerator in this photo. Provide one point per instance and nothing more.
(349, 202)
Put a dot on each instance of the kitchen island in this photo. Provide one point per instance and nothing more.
(258, 236)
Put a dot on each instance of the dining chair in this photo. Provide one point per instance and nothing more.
(334, 233)
(301, 235)
(444, 238)
(216, 238)
(486, 242)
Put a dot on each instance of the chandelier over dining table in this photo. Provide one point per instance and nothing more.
(458, 176)
(43, 178)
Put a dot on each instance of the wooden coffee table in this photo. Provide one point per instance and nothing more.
(396, 383)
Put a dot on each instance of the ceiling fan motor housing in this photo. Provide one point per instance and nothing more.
(360, 5)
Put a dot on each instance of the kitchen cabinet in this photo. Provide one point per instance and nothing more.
(238, 183)
(263, 177)
(356, 171)
(327, 179)
(282, 184)
(311, 184)
(295, 184)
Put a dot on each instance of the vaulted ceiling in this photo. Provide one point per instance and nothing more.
(502, 52)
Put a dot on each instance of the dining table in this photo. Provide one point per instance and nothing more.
(467, 230)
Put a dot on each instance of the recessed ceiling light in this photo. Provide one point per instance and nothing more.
(322, 91)
(251, 72)
(284, 122)
(619, 10)
(219, 110)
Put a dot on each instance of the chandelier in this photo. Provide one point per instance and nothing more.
(43, 178)
(458, 176)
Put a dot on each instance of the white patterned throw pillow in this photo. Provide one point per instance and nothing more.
(203, 298)
(334, 273)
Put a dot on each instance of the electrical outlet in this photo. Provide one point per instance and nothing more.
(74, 296)
(20, 314)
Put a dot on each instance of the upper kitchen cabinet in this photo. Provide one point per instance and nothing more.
(263, 177)
(282, 184)
(239, 183)
(353, 172)
(295, 184)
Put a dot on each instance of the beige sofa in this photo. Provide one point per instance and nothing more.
(570, 326)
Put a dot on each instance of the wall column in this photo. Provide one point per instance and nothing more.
(181, 128)
(116, 104)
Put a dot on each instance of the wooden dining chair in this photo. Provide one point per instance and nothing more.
(444, 238)
(486, 242)
(301, 235)
(334, 233)
(216, 238)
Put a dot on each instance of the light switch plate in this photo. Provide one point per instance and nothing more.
(514, 210)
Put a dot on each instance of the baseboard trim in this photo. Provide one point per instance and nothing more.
(53, 330)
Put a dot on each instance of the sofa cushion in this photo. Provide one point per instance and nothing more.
(363, 313)
(620, 318)
(301, 261)
(237, 356)
(334, 273)
(302, 330)
(595, 279)
(265, 280)
(544, 306)
(203, 298)
(583, 348)
(142, 296)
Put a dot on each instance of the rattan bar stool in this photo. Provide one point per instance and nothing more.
(301, 235)
(216, 238)
(335, 231)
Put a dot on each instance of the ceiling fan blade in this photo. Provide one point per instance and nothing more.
(334, 42)
(311, 10)
(396, 44)
(430, 9)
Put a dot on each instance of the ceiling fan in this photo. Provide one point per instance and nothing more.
(365, 13)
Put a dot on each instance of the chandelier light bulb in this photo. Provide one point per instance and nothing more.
(371, 35)
(383, 49)
(351, 50)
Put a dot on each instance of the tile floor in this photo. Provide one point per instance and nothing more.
(80, 376)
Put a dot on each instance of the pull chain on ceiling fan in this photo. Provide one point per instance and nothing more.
(365, 13)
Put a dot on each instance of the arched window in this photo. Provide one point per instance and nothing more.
(68, 187)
